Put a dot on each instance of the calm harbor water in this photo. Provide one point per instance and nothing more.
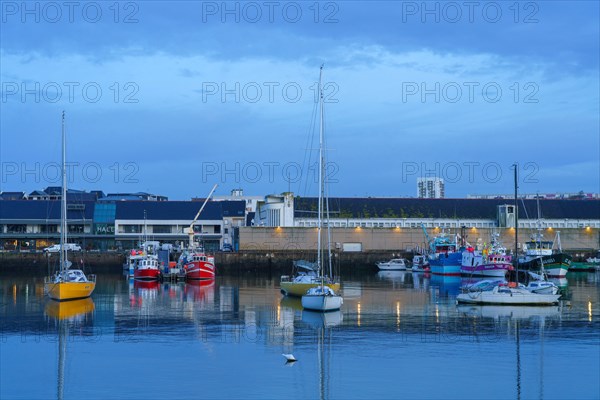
(398, 335)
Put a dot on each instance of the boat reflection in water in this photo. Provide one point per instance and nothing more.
(294, 303)
(69, 310)
(323, 323)
(516, 319)
(394, 276)
(503, 311)
(70, 314)
(448, 286)
(202, 291)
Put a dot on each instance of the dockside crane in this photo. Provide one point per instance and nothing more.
(190, 229)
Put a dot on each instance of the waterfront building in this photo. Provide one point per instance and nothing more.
(116, 225)
(118, 221)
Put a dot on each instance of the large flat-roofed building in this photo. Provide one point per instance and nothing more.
(33, 225)
(351, 212)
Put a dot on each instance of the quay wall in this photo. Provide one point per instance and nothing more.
(279, 262)
(394, 239)
(273, 249)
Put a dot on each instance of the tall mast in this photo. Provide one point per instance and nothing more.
(516, 222)
(321, 166)
(63, 200)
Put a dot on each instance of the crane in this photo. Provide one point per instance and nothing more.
(190, 229)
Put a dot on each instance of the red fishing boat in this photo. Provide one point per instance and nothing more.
(147, 269)
(197, 265)
(194, 262)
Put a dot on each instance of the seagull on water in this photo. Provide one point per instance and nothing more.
(289, 357)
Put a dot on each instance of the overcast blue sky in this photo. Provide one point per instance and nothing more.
(172, 97)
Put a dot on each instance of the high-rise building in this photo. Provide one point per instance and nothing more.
(430, 188)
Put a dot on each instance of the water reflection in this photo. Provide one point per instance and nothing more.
(323, 324)
(514, 312)
(447, 286)
(68, 316)
(240, 325)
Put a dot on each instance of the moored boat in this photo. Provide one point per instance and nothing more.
(66, 283)
(147, 268)
(507, 294)
(445, 258)
(420, 263)
(197, 265)
(321, 298)
(491, 261)
(305, 276)
(395, 264)
(194, 261)
(539, 254)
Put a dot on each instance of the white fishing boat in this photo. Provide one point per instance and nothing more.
(395, 264)
(420, 263)
(322, 297)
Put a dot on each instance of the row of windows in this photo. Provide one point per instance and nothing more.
(168, 229)
(351, 224)
(23, 228)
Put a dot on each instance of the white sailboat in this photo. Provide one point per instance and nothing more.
(66, 283)
(511, 293)
(322, 297)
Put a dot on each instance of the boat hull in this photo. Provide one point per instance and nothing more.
(513, 297)
(555, 265)
(199, 270)
(492, 270)
(322, 302)
(146, 274)
(391, 267)
(300, 289)
(62, 291)
(446, 270)
(446, 264)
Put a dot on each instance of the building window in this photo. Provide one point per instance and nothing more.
(16, 228)
(217, 228)
(226, 230)
(130, 229)
(161, 228)
(75, 228)
(48, 228)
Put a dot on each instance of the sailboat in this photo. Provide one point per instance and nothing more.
(510, 293)
(322, 297)
(67, 283)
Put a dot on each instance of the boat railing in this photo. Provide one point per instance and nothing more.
(286, 278)
(91, 278)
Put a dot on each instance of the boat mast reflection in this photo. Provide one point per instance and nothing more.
(67, 315)
(323, 323)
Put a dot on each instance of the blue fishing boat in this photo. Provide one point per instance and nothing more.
(444, 256)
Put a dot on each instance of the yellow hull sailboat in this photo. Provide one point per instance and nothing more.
(65, 290)
(67, 284)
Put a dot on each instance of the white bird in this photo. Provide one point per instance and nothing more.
(289, 357)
